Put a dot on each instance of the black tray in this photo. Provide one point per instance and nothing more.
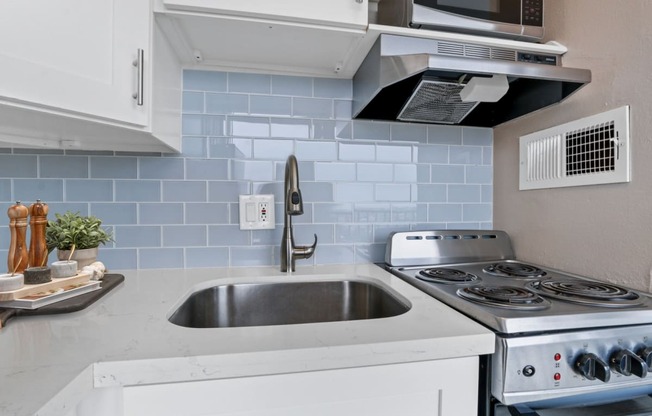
(73, 304)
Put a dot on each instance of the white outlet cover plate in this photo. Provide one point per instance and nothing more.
(257, 212)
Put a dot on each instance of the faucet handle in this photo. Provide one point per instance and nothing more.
(304, 252)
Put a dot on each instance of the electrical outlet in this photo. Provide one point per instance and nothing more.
(257, 212)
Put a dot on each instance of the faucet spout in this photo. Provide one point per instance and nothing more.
(293, 206)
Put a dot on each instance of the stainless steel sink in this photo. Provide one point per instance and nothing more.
(259, 304)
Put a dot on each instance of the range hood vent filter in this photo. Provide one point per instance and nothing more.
(436, 102)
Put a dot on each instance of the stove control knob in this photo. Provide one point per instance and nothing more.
(627, 363)
(646, 354)
(592, 367)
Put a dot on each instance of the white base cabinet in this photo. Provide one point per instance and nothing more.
(69, 77)
(441, 388)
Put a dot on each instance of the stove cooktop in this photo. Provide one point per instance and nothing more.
(475, 273)
(513, 297)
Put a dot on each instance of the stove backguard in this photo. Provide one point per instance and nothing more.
(418, 248)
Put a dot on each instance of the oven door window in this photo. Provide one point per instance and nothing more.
(501, 11)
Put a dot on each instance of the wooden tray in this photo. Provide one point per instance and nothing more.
(41, 287)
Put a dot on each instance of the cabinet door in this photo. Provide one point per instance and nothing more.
(74, 55)
(342, 13)
(431, 388)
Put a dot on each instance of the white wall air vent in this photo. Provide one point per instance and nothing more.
(593, 150)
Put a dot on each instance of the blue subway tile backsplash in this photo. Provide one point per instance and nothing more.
(292, 86)
(205, 81)
(47, 189)
(360, 179)
(15, 166)
(249, 83)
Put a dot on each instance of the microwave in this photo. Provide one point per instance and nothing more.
(511, 19)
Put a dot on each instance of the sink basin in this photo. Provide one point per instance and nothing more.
(285, 303)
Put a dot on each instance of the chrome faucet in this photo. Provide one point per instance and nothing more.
(293, 206)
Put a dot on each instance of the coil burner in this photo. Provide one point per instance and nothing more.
(514, 269)
(447, 276)
(510, 297)
(586, 292)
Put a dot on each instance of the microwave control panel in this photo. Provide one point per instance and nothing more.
(532, 13)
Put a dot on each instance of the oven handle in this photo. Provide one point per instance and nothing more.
(521, 410)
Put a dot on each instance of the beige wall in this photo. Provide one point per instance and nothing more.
(604, 231)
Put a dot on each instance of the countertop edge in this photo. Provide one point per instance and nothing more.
(223, 366)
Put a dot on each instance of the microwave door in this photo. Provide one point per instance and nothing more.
(498, 18)
(497, 11)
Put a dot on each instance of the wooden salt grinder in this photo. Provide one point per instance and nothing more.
(17, 257)
(38, 221)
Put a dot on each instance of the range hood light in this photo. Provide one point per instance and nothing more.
(486, 90)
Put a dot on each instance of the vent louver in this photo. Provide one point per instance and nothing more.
(448, 48)
(593, 150)
(475, 51)
(503, 55)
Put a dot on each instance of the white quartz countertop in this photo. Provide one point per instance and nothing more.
(48, 362)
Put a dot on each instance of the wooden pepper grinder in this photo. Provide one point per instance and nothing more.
(38, 221)
(17, 257)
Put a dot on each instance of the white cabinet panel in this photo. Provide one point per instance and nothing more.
(234, 44)
(308, 37)
(74, 55)
(342, 13)
(68, 77)
(442, 388)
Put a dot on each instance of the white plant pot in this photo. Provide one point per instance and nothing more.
(63, 268)
(9, 282)
(83, 257)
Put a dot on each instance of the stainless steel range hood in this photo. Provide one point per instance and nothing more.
(425, 80)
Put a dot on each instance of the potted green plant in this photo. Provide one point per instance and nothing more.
(76, 237)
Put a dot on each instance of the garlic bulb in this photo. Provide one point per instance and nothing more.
(96, 270)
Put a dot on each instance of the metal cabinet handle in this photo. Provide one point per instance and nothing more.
(358, 1)
(140, 68)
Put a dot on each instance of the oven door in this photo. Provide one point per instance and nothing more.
(640, 406)
(629, 403)
(537, 376)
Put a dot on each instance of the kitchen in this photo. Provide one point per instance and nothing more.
(180, 211)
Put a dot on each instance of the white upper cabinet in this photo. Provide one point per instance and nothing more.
(70, 72)
(341, 13)
(309, 37)
(82, 63)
